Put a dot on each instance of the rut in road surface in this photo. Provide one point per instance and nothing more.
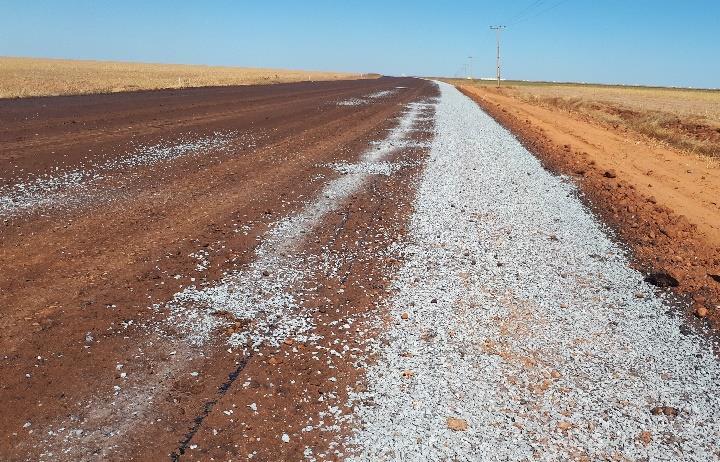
(519, 331)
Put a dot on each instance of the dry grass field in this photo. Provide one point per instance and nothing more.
(685, 119)
(23, 77)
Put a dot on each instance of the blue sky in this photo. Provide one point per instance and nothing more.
(657, 42)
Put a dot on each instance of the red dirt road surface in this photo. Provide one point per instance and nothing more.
(358, 271)
(121, 214)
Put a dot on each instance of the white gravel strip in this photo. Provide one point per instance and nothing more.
(263, 297)
(525, 323)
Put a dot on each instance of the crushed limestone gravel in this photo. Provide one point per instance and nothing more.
(518, 329)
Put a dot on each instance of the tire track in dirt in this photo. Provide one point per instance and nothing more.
(207, 409)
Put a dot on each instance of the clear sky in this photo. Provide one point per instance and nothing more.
(663, 42)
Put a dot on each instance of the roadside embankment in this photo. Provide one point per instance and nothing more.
(662, 202)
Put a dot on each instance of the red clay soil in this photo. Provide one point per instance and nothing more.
(355, 290)
(83, 378)
(661, 241)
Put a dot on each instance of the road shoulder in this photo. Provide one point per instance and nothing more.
(665, 237)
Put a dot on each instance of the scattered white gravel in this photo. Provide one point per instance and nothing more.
(73, 187)
(262, 299)
(374, 168)
(524, 323)
(369, 98)
(381, 94)
(352, 102)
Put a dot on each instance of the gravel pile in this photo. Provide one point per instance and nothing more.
(519, 331)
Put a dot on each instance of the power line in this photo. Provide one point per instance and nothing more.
(538, 13)
(531, 11)
(524, 12)
(459, 73)
(497, 30)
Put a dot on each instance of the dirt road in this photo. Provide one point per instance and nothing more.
(113, 205)
(370, 270)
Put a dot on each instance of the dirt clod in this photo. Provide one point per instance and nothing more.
(645, 437)
(661, 279)
(457, 425)
(564, 425)
(664, 410)
(701, 311)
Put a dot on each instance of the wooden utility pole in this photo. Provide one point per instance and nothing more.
(497, 30)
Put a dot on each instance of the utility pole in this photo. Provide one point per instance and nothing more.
(497, 30)
(470, 68)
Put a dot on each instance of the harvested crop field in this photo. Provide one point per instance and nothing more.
(352, 270)
(24, 77)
